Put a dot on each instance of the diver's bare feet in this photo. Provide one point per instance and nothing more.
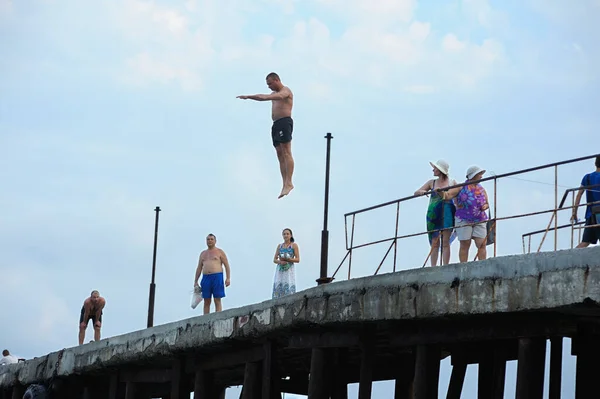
(285, 191)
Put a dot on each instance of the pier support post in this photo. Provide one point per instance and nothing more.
(271, 388)
(365, 383)
(427, 372)
(339, 386)
(179, 383)
(403, 388)
(556, 348)
(113, 386)
(318, 384)
(457, 379)
(204, 385)
(530, 368)
(130, 390)
(252, 381)
(587, 349)
(491, 375)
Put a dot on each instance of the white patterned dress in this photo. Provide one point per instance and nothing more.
(284, 282)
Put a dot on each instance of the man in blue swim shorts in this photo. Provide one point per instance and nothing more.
(210, 265)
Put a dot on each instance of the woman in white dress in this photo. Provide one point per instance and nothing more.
(286, 254)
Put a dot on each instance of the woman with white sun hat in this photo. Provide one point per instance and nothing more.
(470, 219)
(440, 213)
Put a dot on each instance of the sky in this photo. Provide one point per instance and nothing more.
(110, 109)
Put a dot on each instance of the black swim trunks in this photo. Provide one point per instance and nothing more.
(90, 317)
(591, 234)
(282, 129)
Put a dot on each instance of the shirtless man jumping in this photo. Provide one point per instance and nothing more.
(210, 265)
(91, 309)
(282, 100)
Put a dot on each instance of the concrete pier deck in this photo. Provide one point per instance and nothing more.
(542, 294)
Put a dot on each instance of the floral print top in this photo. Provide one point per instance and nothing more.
(469, 202)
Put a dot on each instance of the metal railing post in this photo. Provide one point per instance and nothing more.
(495, 214)
(351, 245)
(572, 221)
(396, 234)
(555, 207)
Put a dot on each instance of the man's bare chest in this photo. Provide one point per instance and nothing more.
(211, 257)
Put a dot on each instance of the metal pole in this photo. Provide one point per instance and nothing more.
(572, 221)
(396, 235)
(152, 285)
(496, 214)
(351, 247)
(555, 207)
(324, 279)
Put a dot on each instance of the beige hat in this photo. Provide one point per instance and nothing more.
(441, 165)
(473, 171)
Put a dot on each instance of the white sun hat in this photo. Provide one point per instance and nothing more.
(473, 171)
(441, 165)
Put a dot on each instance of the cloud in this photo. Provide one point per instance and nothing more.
(320, 90)
(579, 16)
(484, 14)
(380, 46)
(287, 6)
(420, 89)
(144, 69)
(382, 12)
(469, 63)
(451, 43)
(378, 43)
(6, 6)
(174, 49)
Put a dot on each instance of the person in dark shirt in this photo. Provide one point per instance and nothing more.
(590, 184)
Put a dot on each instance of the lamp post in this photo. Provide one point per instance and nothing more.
(152, 285)
(323, 278)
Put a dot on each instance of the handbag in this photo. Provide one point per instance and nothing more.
(595, 214)
(594, 209)
(491, 229)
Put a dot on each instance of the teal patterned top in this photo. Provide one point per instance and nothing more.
(285, 253)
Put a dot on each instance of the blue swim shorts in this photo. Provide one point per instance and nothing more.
(212, 285)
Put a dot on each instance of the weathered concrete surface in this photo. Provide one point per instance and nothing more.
(499, 285)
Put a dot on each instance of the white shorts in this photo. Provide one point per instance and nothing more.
(464, 233)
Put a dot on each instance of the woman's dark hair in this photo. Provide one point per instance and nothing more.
(291, 234)
(598, 161)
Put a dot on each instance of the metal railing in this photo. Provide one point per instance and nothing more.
(351, 246)
(574, 225)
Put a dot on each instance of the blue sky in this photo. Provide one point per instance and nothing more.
(110, 109)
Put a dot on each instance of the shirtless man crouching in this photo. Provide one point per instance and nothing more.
(210, 265)
(282, 100)
(91, 309)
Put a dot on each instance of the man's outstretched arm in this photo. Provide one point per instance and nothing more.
(280, 95)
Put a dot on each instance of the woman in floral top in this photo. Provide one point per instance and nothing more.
(470, 218)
